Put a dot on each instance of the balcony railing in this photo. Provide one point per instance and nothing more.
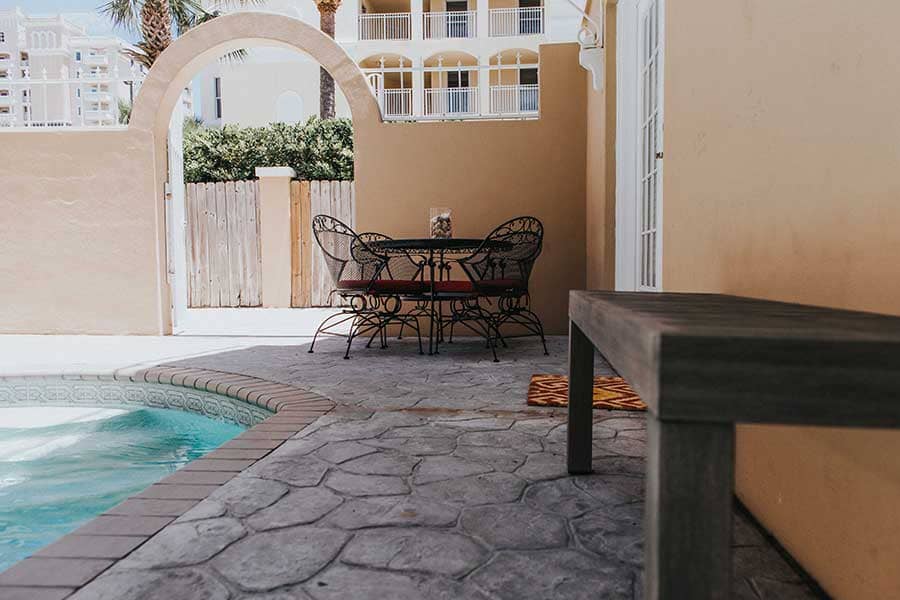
(71, 103)
(458, 102)
(396, 104)
(506, 22)
(98, 95)
(515, 99)
(385, 26)
(453, 24)
(7, 100)
(96, 59)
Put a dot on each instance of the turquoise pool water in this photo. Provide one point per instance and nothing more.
(55, 478)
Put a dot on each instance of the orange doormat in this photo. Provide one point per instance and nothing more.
(611, 393)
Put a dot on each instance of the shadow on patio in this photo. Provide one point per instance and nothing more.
(432, 479)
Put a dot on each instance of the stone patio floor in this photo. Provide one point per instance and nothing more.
(432, 480)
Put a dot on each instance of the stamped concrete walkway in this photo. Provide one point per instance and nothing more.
(434, 481)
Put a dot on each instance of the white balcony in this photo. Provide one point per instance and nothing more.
(102, 96)
(96, 60)
(7, 100)
(396, 104)
(385, 26)
(515, 99)
(449, 25)
(509, 22)
(453, 103)
(99, 116)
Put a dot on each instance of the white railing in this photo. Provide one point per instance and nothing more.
(453, 24)
(458, 102)
(396, 104)
(515, 99)
(96, 59)
(385, 26)
(86, 100)
(505, 22)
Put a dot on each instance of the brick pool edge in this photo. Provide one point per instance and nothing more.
(71, 562)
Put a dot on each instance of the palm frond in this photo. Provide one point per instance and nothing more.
(123, 13)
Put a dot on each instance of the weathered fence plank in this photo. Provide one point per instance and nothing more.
(224, 241)
(311, 280)
(223, 244)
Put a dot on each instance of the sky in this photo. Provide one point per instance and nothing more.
(82, 12)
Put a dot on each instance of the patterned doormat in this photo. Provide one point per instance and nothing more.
(611, 393)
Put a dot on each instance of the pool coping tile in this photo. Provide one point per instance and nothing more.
(62, 568)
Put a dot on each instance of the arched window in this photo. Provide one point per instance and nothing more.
(289, 108)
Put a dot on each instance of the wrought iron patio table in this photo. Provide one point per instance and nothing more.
(438, 254)
(703, 363)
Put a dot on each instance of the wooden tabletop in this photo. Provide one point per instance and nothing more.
(709, 357)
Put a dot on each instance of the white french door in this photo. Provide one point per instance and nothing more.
(639, 153)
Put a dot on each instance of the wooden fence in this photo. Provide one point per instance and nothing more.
(223, 244)
(311, 283)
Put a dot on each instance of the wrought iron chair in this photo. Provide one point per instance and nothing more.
(369, 302)
(500, 271)
(406, 274)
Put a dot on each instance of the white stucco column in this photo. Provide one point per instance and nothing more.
(484, 85)
(482, 18)
(415, 8)
(418, 86)
(275, 235)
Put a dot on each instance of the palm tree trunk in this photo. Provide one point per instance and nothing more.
(326, 82)
(156, 28)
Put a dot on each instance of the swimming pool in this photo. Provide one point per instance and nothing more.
(60, 467)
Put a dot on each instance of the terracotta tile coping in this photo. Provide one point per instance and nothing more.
(68, 564)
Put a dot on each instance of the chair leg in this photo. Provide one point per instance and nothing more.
(326, 324)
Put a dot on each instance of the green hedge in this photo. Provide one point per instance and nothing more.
(317, 150)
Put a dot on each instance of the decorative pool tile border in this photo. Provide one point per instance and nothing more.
(54, 392)
(275, 412)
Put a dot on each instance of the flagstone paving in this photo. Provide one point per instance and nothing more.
(432, 480)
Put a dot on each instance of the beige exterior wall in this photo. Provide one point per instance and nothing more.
(78, 237)
(600, 218)
(781, 182)
(83, 235)
(479, 169)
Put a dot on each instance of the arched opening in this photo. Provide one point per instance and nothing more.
(158, 108)
(289, 108)
(514, 80)
(451, 85)
(391, 77)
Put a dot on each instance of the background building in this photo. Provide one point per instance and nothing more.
(53, 74)
(426, 59)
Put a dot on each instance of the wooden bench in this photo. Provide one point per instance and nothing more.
(702, 363)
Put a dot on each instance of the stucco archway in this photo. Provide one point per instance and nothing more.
(173, 71)
(181, 61)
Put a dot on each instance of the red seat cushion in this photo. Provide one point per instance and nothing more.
(499, 286)
(454, 287)
(384, 286)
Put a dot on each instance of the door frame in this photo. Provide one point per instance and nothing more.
(629, 99)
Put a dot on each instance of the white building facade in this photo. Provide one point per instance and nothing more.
(425, 59)
(52, 74)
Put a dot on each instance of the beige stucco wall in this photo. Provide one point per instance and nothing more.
(83, 239)
(600, 217)
(78, 234)
(781, 181)
(488, 172)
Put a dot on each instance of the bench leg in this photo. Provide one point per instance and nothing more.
(690, 485)
(581, 410)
